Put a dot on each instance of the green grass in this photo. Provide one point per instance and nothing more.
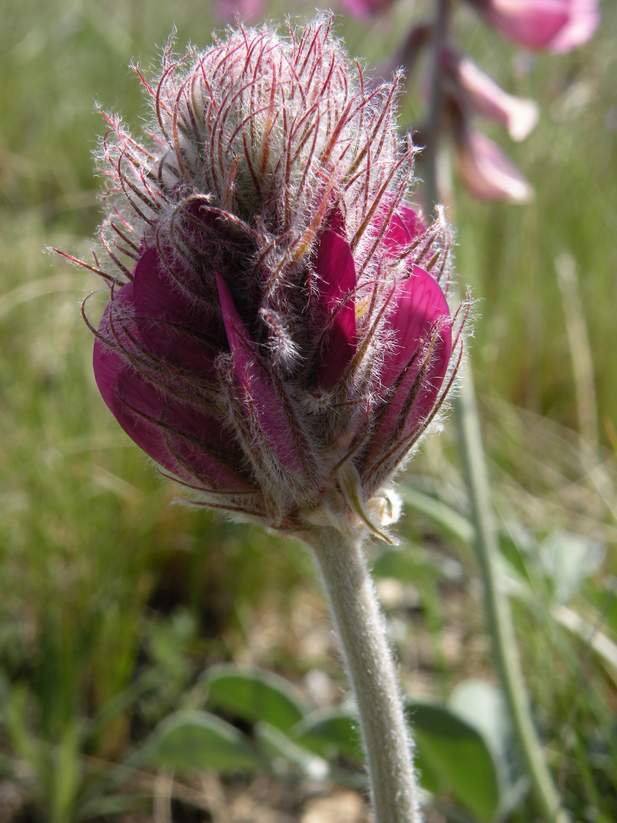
(113, 600)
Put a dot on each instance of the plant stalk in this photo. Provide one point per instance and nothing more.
(370, 667)
(498, 611)
(499, 614)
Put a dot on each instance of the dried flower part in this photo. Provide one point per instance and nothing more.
(277, 329)
(554, 25)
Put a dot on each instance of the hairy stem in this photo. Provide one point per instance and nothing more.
(499, 614)
(370, 667)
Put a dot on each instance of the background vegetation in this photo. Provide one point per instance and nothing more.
(118, 608)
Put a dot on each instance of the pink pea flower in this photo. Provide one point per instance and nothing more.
(482, 94)
(276, 322)
(486, 171)
(552, 25)
(229, 11)
(367, 8)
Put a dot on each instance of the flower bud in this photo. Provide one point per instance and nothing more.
(276, 327)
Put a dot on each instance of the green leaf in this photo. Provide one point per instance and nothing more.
(330, 733)
(279, 746)
(482, 705)
(193, 740)
(255, 695)
(65, 774)
(453, 758)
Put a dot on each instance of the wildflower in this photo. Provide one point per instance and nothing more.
(277, 336)
(554, 25)
(485, 170)
(367, 8)
(481, 93)
(232, 10)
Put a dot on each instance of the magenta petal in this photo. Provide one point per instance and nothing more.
(406, 225)
(419, 303)
(203, 449)
(420, 309)
(336, 271)
(172, 326)
(256, 387)
(109, 370)
(179, 438)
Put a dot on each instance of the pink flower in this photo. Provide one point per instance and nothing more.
(554, 25)
(232, 10)
(486, 171)
(482, 94)
(367, 8)
(275, 312)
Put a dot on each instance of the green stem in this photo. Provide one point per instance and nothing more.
(372, 674)
(499, 614)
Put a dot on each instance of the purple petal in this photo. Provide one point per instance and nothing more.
(419, 303)
(202, 447)
(336, 272)
(256, 387)
(109, 370)
(179, 438)
(173, 326)
(420, 319)
(405, 226)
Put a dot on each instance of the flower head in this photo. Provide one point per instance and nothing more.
(276, 335)
(554, 25)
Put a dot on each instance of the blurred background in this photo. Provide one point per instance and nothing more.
(140, 638)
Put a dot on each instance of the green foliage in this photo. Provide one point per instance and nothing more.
(254, 695)
(199, 741)
(453, 758)
(331, 733)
